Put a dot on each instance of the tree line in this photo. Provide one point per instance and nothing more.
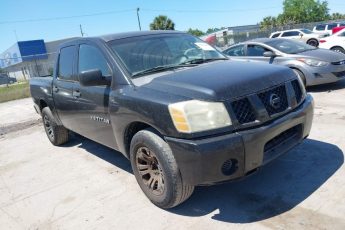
(294, 12)
(300, 11)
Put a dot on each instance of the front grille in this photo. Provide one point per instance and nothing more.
(282, 142)
(339, 74)
(297, 88)
(277, 92)
(274, 101)
(339, 62)
(243, 110)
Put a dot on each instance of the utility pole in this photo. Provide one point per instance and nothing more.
(138, 18)
(15, 34)
(81, 31)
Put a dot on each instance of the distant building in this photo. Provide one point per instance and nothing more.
(244, 29)
(26, 59)
(220, 38)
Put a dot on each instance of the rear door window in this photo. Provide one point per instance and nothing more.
(290, 34)
(66, 62)
(256, 50)
(331, 26)
(275, 35)
(320, 27)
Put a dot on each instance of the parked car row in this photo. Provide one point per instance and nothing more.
(313, 65)
(328, 36)
(304, 35)
(328, 28)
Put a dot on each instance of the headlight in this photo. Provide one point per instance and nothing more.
(194, 116)
(313, 62)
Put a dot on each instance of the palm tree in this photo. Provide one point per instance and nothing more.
(336, 16)
(162, 22)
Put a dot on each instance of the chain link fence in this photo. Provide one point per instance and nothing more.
(232, 36)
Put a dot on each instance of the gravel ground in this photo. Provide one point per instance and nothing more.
(87, 186)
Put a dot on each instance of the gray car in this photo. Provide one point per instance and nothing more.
(313, 65)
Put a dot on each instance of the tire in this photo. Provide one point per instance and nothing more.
(301, 76)
(56, 134)
(156, 170)
(313, 42)
(338, 49)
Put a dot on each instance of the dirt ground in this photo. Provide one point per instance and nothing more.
(83, 185)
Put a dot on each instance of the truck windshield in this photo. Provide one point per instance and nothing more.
(151, 53)
(289, 46)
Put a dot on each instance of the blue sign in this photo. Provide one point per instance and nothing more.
(31, 50)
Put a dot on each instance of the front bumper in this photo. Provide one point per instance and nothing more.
(231, 156)
(324, 75)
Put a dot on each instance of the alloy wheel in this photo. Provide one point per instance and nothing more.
(150, 171)
(48, 127)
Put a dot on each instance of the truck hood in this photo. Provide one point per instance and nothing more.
(221, 80)
(324, 55)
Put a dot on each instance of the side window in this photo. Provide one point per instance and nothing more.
(275, 35)
(331, 26)
(235, 51)
(320, 27)
(90, 58)
(342, 34)
(290, 33)
(256, 50)
(66, 60)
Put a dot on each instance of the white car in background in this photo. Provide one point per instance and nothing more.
(305, 35)
(335, 42)
(327, 28)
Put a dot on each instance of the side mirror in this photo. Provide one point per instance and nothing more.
(93, 77)
(300, 34)
(270, 54)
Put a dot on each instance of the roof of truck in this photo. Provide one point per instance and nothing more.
(110, 37)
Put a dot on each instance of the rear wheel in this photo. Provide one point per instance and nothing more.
(301, 76)
(338, 49)
(156, 170)
(57, 134)
(313, 42)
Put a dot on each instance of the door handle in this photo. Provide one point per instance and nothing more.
(76, 93)
(55, 89)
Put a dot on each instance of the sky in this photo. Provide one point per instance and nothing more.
(61, 19)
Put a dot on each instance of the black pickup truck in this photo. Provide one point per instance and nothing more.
(182, 112)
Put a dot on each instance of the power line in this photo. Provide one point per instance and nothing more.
(67, 17)
(131, 10)
(210, 11)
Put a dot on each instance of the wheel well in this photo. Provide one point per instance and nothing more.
(43, 104)
(132, 129)
(304, 78)
(313, 39)
(337, 47)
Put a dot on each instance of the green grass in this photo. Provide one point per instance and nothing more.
(14, 91)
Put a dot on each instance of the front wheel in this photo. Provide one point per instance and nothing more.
(301, 76)
(56, 134)
(338, 49)
(156, 170)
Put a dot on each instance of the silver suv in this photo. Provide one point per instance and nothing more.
(305, 35)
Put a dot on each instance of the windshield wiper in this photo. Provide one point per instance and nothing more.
(202, 60)
(161, 68)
